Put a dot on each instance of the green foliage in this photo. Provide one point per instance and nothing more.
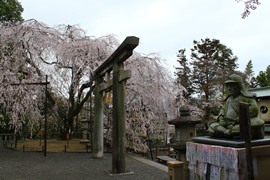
(263, 79)
(183, 73)
(4, 124)
(10, 11)
(248, 76)
(212, 62)
(157, 143)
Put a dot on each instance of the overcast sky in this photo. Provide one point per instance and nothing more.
(165, 26)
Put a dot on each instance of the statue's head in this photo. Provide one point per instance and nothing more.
(235, 86)
(234, 79)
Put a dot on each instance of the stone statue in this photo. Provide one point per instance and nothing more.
(227, 124)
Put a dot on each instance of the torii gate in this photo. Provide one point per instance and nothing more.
(113, 63)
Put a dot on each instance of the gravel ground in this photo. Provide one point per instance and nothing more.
(15, 165)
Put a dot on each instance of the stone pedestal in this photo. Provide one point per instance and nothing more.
(84, 124)
(236, 143)
(219, 162)
(185, 130)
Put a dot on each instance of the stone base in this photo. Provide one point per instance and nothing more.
(227, 161)
(119, 174)
(236, 143)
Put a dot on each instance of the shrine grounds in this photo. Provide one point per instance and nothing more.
(20, 165)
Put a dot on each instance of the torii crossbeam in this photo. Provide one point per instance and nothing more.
(115, 64)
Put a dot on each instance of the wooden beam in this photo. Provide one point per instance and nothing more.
(123, 52)
(106, 85)
(109, 84)
(124, 75)
(22, 84)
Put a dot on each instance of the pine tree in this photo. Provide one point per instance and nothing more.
(248, 75)
(263, 79)
(212, 62)
(183, 73)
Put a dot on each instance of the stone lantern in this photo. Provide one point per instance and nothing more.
(84, 126)
(185, 130)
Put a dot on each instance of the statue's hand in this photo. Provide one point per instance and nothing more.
(232, 121)
(220, 118)
(222, 122)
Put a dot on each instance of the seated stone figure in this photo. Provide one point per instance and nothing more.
(227, 124)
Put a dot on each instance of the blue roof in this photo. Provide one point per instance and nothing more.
(261, 92)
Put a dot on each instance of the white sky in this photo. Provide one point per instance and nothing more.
(165, 26)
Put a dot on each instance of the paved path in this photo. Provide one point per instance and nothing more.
(72, 166)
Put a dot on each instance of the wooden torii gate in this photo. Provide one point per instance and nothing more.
(102, 83)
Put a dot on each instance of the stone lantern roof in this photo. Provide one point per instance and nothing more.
(184, 118)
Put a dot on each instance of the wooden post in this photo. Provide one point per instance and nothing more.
(149, 141)
(245, 134)
(45, 129)
(91, 112)
(175, 170)
(98, 123)
(119, 129)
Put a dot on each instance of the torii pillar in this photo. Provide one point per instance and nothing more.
(113, 63)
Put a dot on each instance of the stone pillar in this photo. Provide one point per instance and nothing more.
(98, 123)
(84, 126)
(119, 123)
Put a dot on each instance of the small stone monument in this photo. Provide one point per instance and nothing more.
(84, 126)
(185, 130)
